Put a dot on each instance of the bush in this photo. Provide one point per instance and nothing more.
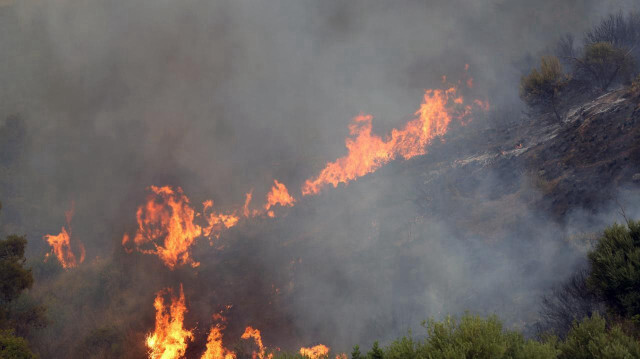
(604, 64)
(615, 269)
(570, 301)
(590, 339)
(542, 87)
(12, 347)
(619, 31)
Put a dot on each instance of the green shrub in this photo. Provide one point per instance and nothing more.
(12, 347)
(590, 339)
(542, 87)
(604, 64)
(615, 269)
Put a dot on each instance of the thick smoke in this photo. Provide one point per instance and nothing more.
(220, 97)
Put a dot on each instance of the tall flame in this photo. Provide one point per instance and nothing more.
(61, 244)
(215, 349)
(315, 352)
(367, 152)
(169, 339)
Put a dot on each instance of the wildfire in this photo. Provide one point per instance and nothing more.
(367, 151)
(249, 333)
(61, 244)
(166, 223)
(169, 339)
(166, 227)
(316, 352)
(215, 349)
(278, 195)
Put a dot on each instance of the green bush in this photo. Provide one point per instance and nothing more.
(590, 339)
(604, 64)
(542, 87)
(12, 347)
(615, 269)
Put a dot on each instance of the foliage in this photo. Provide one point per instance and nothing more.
(13, 347)
(604, 64)
(14, 278)
(615, 268)
(568, 302)
(375, 352)
(590, 339)
(355, 354)
(618, 30)
(543, 86)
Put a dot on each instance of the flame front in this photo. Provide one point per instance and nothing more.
(61, 244)
(169, 339)
(316, 352)
(278, 195)
(367, 151)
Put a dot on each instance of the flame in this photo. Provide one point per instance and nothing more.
(215, 349)
(367, 152)
(250, 332)
(318, 351)
(166, 224)
(279, 195)
(61, 244)
(169, 339)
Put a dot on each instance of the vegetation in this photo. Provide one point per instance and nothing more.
(14, 279)
(543, 87)
(615, 269)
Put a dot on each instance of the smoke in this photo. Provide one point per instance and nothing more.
(221, 97)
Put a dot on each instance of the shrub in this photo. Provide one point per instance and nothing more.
(615, 268)
(12, 347)
(618, 30)
(603, 64)
(590, 339)
(542, 87)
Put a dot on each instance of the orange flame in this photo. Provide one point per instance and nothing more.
(169, 339)
(318, 351)
(166, 224)
(215, 349)
(279, 195)
(250, 332)
(61, 244)
(367, 152)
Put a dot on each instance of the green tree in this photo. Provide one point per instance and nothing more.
(604, 64)
(355, 354)
(590, 339)
(13, 347)
(14, 278)
(615, 268)
(542, 87)
(375, 352)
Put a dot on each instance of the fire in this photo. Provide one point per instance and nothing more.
(367, 151)
(215, 349)
(169, 339)
(61, 244)
(166, 225)
(250, 332)
(279, 195)
(316, 352)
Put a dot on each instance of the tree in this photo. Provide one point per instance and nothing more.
(542, 87)
(604, 64)
(375, 352)
(590, 339)
(12, 347)
(570, 301)
(619, 31)
(355, 354)
(14, 278)
(615, 268)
